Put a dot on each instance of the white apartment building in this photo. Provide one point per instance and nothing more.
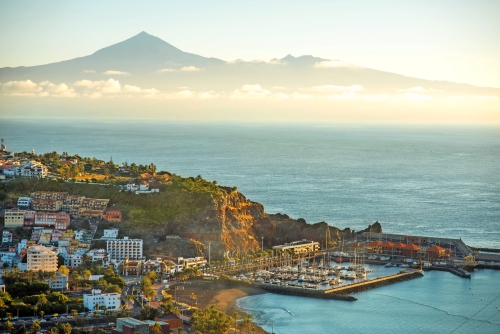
(73, 260)
(21, 245)
(192, 261)
(6, 236)
(97, 255)
(14, 218)
(110, 300)
(124, 249)
(32, 169)
(59, 283)
(111, 233)
(41, 258)
(24, 202)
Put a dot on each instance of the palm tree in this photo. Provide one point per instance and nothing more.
(157, 328)
(193, 297)
(246, 321)
(42, 313)
(53, 330)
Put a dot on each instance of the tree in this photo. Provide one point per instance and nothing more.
(193, 297)
(42, 313)
(63, 270)
(211, 321)
(9, 327)
(64, 328)
(53, 330)
(157, 328)
(35, 327)
(246, 321)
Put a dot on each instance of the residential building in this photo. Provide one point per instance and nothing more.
(301, 246)
(58, 220)
(6, 236)
(73, 260)
(110, 300)
(131, 267)
(68, 235)
(24, 202)
(111, 233)
(40, 204)
(49, 195)
(29, 219)
(153, 265)
(97, 255)
(192, 262)
(58, 283)
(131, 326)
(32, 169)
(124, 248)
(14, 217)
(21, 245)
(41, 258)
(113, 216)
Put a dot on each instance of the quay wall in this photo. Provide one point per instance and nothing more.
(293, 291)
(375, 283)
(457, 271)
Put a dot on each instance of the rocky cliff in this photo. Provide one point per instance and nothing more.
(235, 226)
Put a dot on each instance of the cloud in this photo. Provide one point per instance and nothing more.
(111, 72)
(190, 69)
(254, 91)
(209, 95)
(61, 90)
(182, 69)
(88, 71)
(135, 89)
(334, 64)
(332, 88)
(21, 87)
(101, 86)
(280, 96)
(278, 88)
(166, 70)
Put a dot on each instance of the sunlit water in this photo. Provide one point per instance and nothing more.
(434, 181)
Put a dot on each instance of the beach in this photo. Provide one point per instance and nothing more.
(222, 294)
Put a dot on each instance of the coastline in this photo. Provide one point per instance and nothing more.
(222, 294)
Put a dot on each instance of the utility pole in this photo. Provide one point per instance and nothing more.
(209, 253)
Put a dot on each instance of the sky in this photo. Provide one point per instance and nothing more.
(453, 40)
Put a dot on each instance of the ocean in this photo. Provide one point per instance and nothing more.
(431, 180)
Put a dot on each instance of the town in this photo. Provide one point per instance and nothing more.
(68, 264)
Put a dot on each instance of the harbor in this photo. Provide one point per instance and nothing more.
(301, 268)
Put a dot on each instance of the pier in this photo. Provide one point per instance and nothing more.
(375, 283)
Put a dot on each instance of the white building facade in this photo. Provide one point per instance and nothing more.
(97, 299)
(124, 249)
(41, 258)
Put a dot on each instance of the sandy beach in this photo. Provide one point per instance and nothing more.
(222, 294)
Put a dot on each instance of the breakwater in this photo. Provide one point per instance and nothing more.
(374, 283)
(457, 271)
(294, 291)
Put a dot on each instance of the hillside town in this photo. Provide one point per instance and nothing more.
(60, 267)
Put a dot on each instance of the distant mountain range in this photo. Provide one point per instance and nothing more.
(147, 61)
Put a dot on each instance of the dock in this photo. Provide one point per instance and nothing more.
(343, 292)
(402, 276)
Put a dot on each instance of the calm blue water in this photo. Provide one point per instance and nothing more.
(437, 303)
(434, 180)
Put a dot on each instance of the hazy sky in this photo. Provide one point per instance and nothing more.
(443, 40)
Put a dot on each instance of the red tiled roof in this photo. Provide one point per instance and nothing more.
(400, 245)
(376, 243)
(435, 249)
(412, 247)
